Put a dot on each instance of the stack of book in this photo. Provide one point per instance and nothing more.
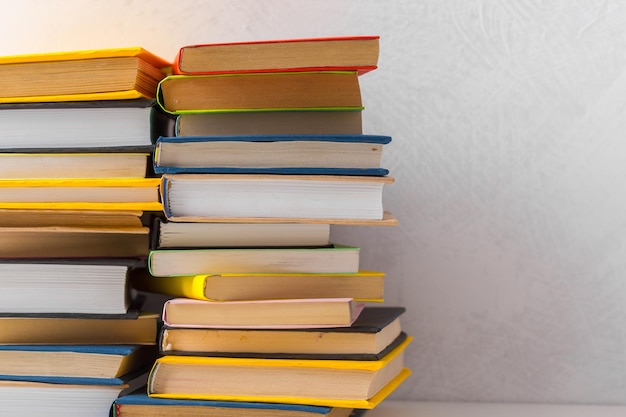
(267, 153)
(74, 164)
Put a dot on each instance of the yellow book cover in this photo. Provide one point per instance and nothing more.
(83, 75)
(306, 367)
(364, 286)
(81, 194)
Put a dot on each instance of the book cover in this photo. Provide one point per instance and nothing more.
(62, 69)
(177, 262)
(272, 154)
(295, 91)
(374, 333)
(243, 197)
(331, 383)
(261, 314)
(365, 286)
(358, 53)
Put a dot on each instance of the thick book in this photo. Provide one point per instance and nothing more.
(275, 198)
(99, 74)
(69, 397)
(139, 404)
(261, 314)
(176, 262)
(81, 194)
(85, 286)
(267, 123)
(62, 362)
(51, 241)
(374, 332)
(130, 329)
(51, 165)
(330, 90)
(331, 383)
(358, 53)
(168, 234)
(78, 126)
(361, 286)
(272, 154)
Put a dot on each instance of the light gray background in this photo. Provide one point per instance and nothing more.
(508, 121)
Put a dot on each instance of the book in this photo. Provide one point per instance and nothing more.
(90, 286)
(78, 242)
(20, 398)
(77, 329)
(51, 165)
(262, 91)
(332, 259)
(73, 361)
(272, 154)
(266, 314)
(368, 338)
(170, 234)
(295, 198)
(102, 74)
(267, 123)
(331, 383)
(70, 218)
(99, 125)
(139, 404)
(359, 53)
(81, 193)
(361, 286)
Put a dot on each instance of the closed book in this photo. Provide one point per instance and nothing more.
(176, 262)
(81, 194)
(139, 404)
(79, 286)
(170, 234)
(359, 53)
(99, 74)
(91, 362)
(261, 314)
(272, 154)
(74, 329)
(373, 333)
(301, 198)
(332, 383)
(361, 286)
(329, 90)
(70, 218)
(102, 125)
(268, 123)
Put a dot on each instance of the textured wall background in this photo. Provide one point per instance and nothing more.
(508, 119)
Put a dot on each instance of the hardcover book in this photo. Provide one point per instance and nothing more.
(176, 262)
(261, 314)
(272, 154)
(103, 74)
(180, 94)
(358, 53)
(330, 383)
(376, 331)
(302, 198)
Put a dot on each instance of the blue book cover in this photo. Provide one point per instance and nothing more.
(269, 154)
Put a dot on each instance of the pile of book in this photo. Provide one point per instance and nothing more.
(74, 161)
(266, 313)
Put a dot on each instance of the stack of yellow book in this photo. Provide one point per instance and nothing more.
(74, 185)
(264, 310)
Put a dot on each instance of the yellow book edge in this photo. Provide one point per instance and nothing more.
(80, 182)
(78, 205)
(114, 95)
(137, 51)
(370, 403)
